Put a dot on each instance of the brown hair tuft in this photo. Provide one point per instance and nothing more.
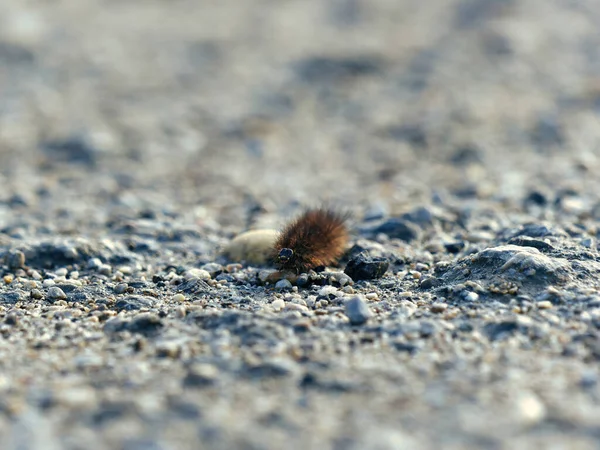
(316, 238)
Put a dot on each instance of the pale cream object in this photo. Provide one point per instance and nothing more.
(253, 246)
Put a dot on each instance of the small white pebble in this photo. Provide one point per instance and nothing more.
(196, 273)
(472, 297)
(35, 275)
(61, 272)
(295, 307)
(48, 283)
(125, 270)
(179, 298)
(327, 290)
(372, 296)
(74, 275)
(544, 304)
(94, 263)
(278, 304)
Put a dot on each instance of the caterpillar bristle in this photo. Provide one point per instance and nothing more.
(316, 238)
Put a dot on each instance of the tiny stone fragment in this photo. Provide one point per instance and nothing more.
(357, 310)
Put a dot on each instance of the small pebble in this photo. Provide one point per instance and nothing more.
(213, 269)
(357, 310)
(15, 259)
(48, 283)
(121, 288)
(472, 297)
(197, 273)
(56, 293)
(438, 307)
(372, 296)
(278, 304)
(295, 307)
(283, 284)
(363, 267)
(94, 263)
(179, 298)
(328, 290)
(545, 304)
(35, 275)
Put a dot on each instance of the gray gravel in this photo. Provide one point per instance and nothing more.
(137, 139)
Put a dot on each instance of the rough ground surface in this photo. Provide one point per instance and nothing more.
(138, 137)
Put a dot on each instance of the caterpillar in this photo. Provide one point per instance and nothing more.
(316, 238)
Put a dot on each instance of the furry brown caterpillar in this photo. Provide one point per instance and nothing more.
(316, 238)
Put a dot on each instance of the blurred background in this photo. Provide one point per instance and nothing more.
(110, 106)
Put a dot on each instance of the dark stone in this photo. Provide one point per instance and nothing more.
(270, 369)
(411, 349)
(364, 267)
(146, 324)
(67, 287)
(15, 259)
(536, 198)
(12, 297)
(74, 150)
(500, 330)
(537, 230)
(547, 133)
(138, 284)
(312, 381)
(429, 283)
(454, 247)
(194, 286)
(79, 296)
(133, 302)
(329, 69)
(466, 155)
(421, 216)
(398, 228)
(526, 241)
(302, 280)
(413, 134)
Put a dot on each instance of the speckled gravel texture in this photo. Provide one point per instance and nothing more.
(137, 138)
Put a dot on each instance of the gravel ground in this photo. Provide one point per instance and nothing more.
(137, 139)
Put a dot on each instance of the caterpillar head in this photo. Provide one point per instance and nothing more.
(284, 256)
